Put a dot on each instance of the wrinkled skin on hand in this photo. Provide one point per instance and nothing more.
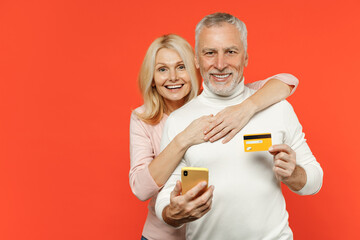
(188, 207)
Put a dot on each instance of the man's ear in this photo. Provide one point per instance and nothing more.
(196, 62)
(246, 59)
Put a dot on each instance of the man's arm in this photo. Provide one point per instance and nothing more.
(294, 163)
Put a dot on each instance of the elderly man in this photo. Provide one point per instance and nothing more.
(248, 202)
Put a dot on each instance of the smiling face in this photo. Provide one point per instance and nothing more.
(171, 79)
(221, 58)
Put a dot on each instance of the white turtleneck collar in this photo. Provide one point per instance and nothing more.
(208, 97)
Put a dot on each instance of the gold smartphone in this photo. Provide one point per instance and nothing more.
(191, 176)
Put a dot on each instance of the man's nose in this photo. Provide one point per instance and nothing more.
(220, 63)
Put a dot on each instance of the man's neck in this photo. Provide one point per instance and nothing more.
(234, 98)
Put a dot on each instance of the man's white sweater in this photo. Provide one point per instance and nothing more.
(247, 202)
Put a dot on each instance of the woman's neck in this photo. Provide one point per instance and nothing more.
(171, 106)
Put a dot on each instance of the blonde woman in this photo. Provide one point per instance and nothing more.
(168, 79)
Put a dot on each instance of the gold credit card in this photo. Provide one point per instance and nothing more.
(257, 142)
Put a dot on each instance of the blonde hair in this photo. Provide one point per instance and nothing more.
(153, 101)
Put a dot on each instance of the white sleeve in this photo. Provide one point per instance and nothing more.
(295, 138)
(163, 198)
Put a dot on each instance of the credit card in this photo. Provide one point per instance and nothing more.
(257, 142)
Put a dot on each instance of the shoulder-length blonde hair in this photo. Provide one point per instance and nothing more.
(153, 101)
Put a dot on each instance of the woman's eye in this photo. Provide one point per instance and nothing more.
(162, 69)
(181, 67)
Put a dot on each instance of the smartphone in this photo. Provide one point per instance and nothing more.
(191, 176)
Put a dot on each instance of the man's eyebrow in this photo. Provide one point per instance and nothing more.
(215, 50)
(232, 48)
(208, 50)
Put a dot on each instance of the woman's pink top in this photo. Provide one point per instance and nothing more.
(144, 147)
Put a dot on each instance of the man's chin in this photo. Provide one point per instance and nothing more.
(221, 90)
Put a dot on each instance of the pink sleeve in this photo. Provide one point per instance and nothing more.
(284, 77)
(141, 154)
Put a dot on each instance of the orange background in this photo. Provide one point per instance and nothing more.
(68, 83)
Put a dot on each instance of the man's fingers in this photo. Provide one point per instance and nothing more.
(280, 148)
(282, 157)
(203, 202)
(192, 193)
(282, 173)
(205, 197)
(281, 164)
(177, 189)
(199, 211)
(205, 208)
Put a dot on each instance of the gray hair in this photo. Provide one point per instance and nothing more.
(216, 19)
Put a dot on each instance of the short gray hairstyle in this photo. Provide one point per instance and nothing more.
(216, 19)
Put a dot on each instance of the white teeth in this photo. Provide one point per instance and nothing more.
(221, 76)
(174, 86)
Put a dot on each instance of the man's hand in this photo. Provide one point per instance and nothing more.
(188, 207)
(229, 121)
(284, 161)
(285, 167)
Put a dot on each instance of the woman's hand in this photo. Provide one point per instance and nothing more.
(194, 133)
(230, 121)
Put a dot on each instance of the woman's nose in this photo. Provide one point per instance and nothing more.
(173, 75)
